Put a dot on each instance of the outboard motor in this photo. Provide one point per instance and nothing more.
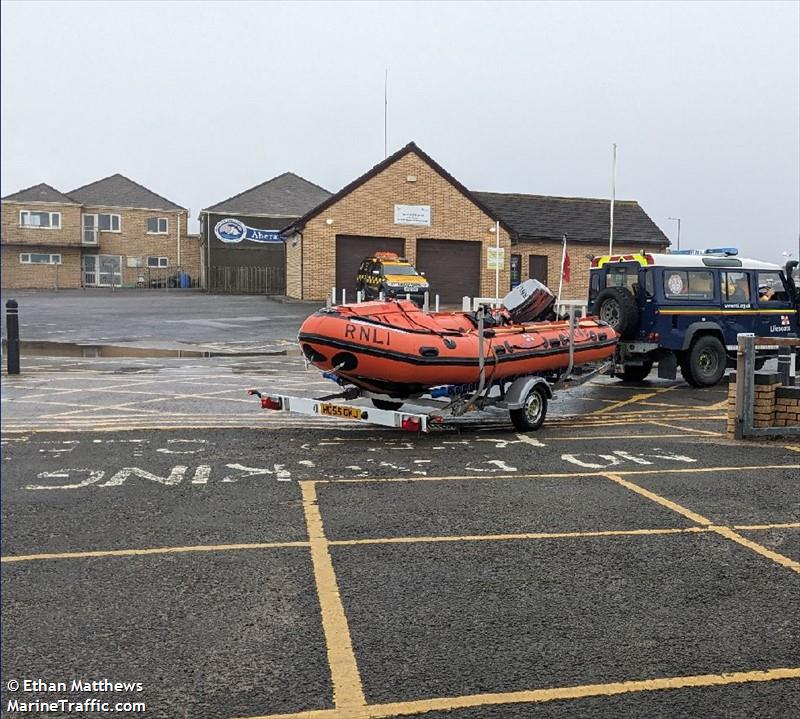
(528, 301)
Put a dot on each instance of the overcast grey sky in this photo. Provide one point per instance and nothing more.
(200, 100)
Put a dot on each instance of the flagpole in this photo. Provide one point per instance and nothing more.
(561, 272)
(497, 266)
(613, 197)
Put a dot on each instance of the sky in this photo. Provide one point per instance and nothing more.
(201, 100)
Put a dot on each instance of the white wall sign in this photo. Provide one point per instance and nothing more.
(495, 258)
(412, 215)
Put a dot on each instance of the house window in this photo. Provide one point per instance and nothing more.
(158, 261)
(36, 258)
(108, 223)
(157, 226)
(40, 220)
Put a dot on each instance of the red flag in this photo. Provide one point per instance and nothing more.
(565, 267)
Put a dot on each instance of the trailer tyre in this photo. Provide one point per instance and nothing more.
(386, 404)
(635, 372)
(704, 364)
(530, 416)
(617, 307)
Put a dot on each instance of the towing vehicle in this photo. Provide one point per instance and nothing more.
(686, 309)
(388, 274)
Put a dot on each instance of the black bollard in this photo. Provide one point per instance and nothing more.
(12, 335)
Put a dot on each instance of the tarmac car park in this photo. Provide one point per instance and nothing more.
(687, 310)
(626, 561)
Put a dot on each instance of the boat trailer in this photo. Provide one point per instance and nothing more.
(525, 397)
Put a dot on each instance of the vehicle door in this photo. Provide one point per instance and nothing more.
(777, 317)
(737, 294)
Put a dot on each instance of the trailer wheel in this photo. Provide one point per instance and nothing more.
(635, 372)
(386, 404)
(530, 416)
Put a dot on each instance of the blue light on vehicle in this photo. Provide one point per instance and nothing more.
(727, 251)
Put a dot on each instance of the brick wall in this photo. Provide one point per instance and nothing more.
(133, 241)
(68, 235)
(580, 255)
(15, 275)
(369, 210)
(774, 406)
(293, 250)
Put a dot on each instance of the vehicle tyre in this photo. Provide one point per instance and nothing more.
(386, 404)
(617, 307)
(530, 416)
(635, 372)
(704, 363)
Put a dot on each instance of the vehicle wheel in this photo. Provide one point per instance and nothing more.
(636, 373)
(386, 404)
(617, 307)
(704, 364)
(530, 416)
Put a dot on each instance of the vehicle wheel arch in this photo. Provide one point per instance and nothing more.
(697, 329)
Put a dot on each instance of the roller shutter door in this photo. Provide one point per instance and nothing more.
(453, 268)
(351, 250)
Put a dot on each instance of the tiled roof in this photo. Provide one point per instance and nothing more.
(287, 195)
(540, 217)
(41, 193)
(119, 191)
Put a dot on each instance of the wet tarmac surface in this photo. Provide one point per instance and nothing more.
(627, 560)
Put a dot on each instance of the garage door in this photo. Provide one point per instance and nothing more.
(351, 250)
(453, 268)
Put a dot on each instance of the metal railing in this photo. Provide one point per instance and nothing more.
(746, 382)
(166, 278)
(248, 280)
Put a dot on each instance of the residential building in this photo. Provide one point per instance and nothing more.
(112, 232)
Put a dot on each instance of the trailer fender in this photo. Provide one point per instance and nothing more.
(520, 387)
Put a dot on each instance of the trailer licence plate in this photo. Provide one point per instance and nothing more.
(337, 410)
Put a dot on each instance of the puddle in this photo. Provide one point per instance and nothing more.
(94, 351)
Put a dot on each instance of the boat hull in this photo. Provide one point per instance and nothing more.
(393, 347)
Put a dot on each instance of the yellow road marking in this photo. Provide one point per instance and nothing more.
(556, 475)
(786, 525)
(521, 536)
(348, 691)
(536, 696)
(150, 550)
(793, 447)
(704, 432)
(784, 561)
(723, 531)
(658, 499)
(631, 400)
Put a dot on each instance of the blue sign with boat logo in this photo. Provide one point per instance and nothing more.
(233, 231)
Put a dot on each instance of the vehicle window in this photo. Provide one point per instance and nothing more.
(736, 287)
(399, 270)
(649, 283)
(594, 286)
(688, 285)
(622, 277)
(771, 288)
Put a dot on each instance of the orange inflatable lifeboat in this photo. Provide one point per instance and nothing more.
(395, 348)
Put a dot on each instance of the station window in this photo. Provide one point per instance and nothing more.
(40, 220)
(108, 223)
(157, 226)
(688, 285)
(37, 258)
(158, 261)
